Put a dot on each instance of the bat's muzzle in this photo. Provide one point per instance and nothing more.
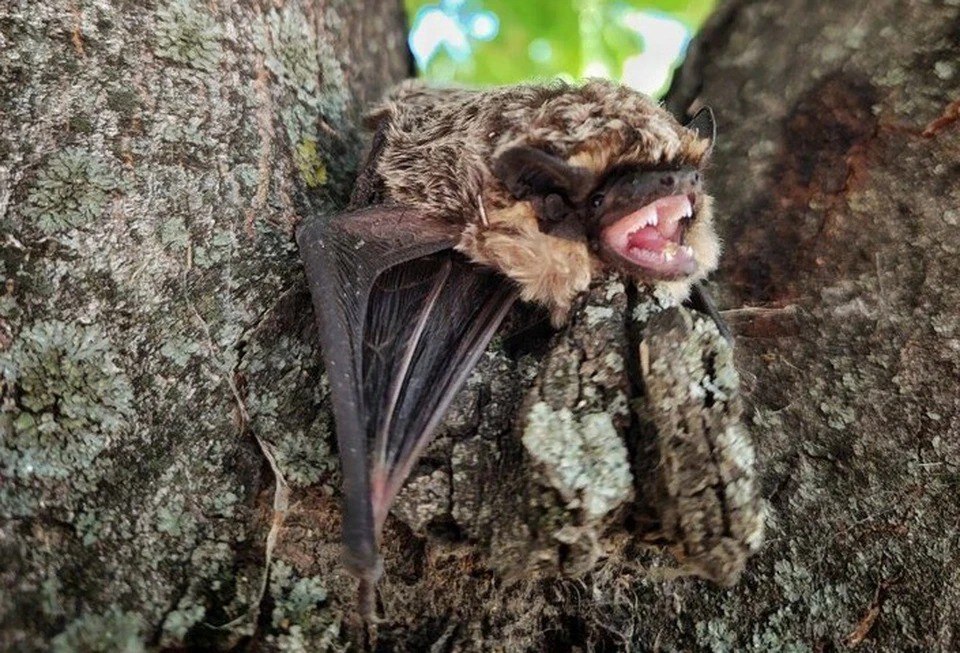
(644, 218)
(635, 190)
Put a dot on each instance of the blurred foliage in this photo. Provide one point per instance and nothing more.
(482, 42)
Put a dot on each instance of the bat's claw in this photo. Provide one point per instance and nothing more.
(374, 620)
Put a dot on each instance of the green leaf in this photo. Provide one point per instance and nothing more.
(544, 39)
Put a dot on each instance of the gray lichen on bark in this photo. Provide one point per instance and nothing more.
(152, 162)
(704, 488)
(836, 186)
(154, 159)
(835, 171)
(592, 467)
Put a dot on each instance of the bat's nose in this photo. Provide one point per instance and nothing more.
(682, 181)
(636, 189)
(658, 183)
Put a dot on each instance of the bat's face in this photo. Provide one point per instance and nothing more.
(647, 217)
(654, 225)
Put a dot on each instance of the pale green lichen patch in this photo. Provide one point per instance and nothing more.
(293, 56)
(598, 314)
(654, 301)
(219, 593)
(219, 248)
(141, 168)
(64, 399)
(716, 636)
(307, 459)
(286, 393)
(187, 34)
(303, 456)
(178, 622)
(583, 459)
(792, 578)
(180, 350)
(186, 130)
(301, 618)
(173, 520)
(114, 631)
(309, 93)
(422, 499)
(839, 416)
(174, 233)
(303, 64)
(70, 191)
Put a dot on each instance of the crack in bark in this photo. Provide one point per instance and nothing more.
(688, 79)
(264, 114)
(281, 495)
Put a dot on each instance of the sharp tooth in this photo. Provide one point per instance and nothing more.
(688, 250)
(667, 256)
(653, 220)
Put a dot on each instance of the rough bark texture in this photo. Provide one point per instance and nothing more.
(154, 158)
(146, 203)
(838, 184)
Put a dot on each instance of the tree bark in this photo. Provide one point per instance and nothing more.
(837, 184)
(837, 181)
(154, 159)
(157, 348)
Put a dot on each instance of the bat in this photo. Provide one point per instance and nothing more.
(470, 200)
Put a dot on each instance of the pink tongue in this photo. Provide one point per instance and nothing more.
(648, 238)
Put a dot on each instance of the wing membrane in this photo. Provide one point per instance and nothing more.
(429, 321)
(403, 320)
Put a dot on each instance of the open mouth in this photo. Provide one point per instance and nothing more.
(651, 238)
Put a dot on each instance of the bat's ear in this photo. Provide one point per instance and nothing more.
(528, 172)
(704, 124)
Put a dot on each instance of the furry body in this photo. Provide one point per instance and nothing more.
(543, 185)
(439, 145)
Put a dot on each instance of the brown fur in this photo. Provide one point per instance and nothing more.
(551, 271)
(439, 145)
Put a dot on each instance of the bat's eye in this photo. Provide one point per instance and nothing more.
(596, 200)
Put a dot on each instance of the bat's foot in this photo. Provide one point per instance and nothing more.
(367, 576)
(367, 602)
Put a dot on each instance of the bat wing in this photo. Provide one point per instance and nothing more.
(403, 320)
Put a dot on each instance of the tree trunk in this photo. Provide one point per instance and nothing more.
(154, 159)
(837, 179)
(160, 363)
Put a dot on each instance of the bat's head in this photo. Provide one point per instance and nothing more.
(595, 177)
(655, 221)
(647, 216)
